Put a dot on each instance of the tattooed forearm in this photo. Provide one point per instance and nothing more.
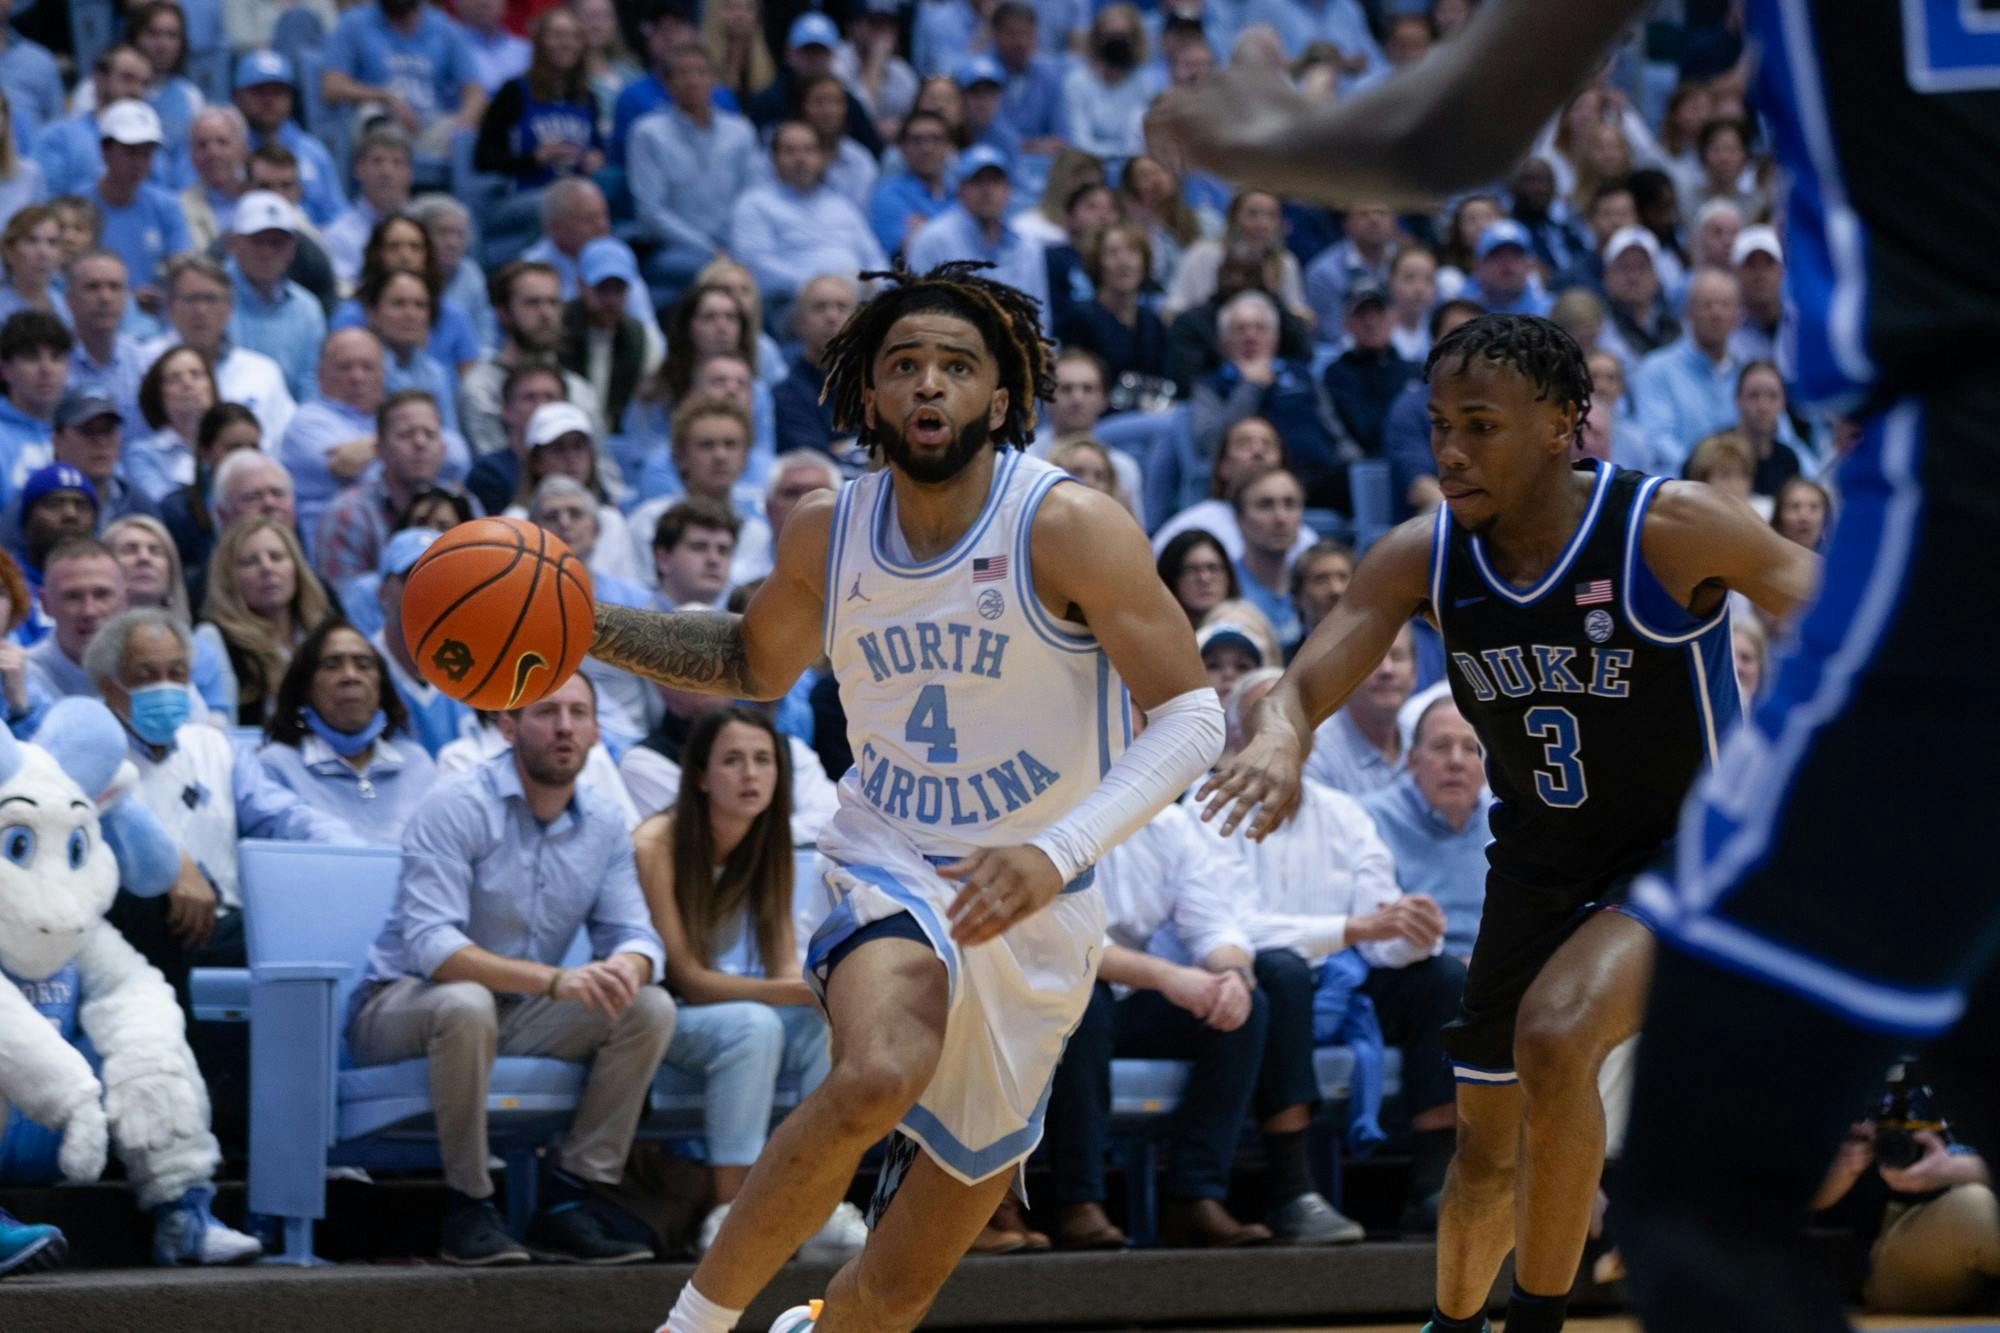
(702, 651)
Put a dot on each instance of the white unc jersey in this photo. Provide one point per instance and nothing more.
(977, 718)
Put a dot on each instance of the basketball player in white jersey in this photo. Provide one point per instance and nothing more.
(985, 622)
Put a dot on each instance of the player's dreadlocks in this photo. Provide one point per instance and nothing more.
(1009, 320)
(1537, 347)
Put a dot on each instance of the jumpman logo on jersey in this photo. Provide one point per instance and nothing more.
(854, 593)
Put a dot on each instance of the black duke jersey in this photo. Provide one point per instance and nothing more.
(1598, 697)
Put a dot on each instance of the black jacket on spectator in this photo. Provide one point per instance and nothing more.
(1065, 267)
(628, 357)
(802, 420)
(1194, 346)
(494, 479)
(1665, 327)
(1361, 385)
(1138, 349)
(780, 102)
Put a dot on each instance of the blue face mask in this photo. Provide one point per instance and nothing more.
(158, 711)
(346, 744)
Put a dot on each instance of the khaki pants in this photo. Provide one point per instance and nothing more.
(461, 1026)
(1938, 1257)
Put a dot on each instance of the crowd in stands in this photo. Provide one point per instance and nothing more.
(291, 289)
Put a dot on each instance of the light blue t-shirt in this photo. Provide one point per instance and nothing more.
(144, 232)
(426, 68)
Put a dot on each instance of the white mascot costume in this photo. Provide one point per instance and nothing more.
(75, 990)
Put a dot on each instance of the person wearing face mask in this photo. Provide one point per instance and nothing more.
(339, 737)
(1107, 95)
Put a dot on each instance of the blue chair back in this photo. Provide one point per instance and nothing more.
(309, 903)
(1374, 502)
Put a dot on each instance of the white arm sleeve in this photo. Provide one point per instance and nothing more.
(1183, 737)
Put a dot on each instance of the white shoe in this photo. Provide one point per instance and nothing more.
(710, 1225)
(798, 1319)
(186, 1232)
(839, 1240)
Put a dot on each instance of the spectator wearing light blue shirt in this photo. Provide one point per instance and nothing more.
(1269, 507)
(104, 360)
(70, 151)
(797, 227)
(143, 223)
(1031, 100)
(34, 359)
(384, 169)
(263, 88)
(1359, 749)
(31, 81)
(413, 61)
(1108, 93)
(688, 162)
(942, 34)
(1300, 23)
(1433, 818)
(907, 198)
(497, 54)
(1687, 389)
(1362, 257)
(977, 228)
(21, 182)
(1503, 280)
(273, 314)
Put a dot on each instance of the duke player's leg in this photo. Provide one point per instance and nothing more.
(1833, 896)
(886, 1001)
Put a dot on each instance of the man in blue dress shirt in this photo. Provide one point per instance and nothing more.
(1687, 389)
(1433, 817)
(1031, 103)
(976, 228)
(501, 869)
(105, 359)
(905, 200)
(34, 85)
(272, 313)
(412, 61)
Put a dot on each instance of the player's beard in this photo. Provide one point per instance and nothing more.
(936, 469)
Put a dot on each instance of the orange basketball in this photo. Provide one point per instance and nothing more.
(497, 613)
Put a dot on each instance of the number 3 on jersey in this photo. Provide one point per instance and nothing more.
(930, 724)
(1561, 783)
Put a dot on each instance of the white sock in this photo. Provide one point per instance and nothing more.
(695, 1313)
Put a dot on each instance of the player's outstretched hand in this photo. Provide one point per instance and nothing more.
(1263, 778)
(1002, 885)
(1211, 124)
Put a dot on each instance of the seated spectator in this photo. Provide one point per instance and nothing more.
(34, 362)
(1555, 238)
(664, 26)
(1231, 651)
(906, 198)
(1070, 169)
(192, 512)
(57, 502)
(1687, 389)
(883, 82)
(1091, 208)
(983, 82)
(529, 386)
(733, 32)
(261, 602)
(1641, 320)
(263, 93)
(688, 161)
(331, 441)
(574, 213)
(797, 226)
(497, 53)
(795, 474)
(1326, 912)
(742, 284)
(1769, 331)
(809, 46)
(608, 64)
(1359, 750)
(383, 168)
(1194, 340)
(88, 439)
(851, 170)
(494, 735)
(1723, 461)
(625, 703)
(409, 445)
(1432, 816)
(559, 443)
(1257, 381)
(158, 30)
(140, 222)
(71, 152)
(1032, 106)
(271, 312)
(1106, 93)
(31, 250)
(1750, 650)
(600, 340)
(1406, 431)
(436, 719)
(527, 304)
(153, 577)
(717, 874)
(1150, 196)
(1250, 447)
(1320, 575)
(1174, 983)
(1199, 572)
(542, 124)
(398, 307)
(800, 419)
(22, 693)
(447, 225)
(692, 547)
(218, 157)
(1715, 226)
(249, 25)
(709, 447)
(104, 360)
(1255, 226)
(500, 871)
(1763, 424)
(1802, 511)
(1118, 322)
(407, 62)
(200, 304)
(403, 240)
(709, 320)
(81, 587)
(1269, 507)
(1503, 277)
(1083, 395)
(1090, 463)
(1364, 256)
(1364, 379)
(275, 168)
(1412, 297)
(339, 738)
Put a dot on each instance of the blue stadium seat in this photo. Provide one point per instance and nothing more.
(93, 26)
(1374, 503)
(220, 994)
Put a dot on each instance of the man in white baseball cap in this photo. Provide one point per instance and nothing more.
(273, 314)
(1768, 330)
(143, 223)
(1640, 321)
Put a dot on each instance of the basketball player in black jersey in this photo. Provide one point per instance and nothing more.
(1586, 633)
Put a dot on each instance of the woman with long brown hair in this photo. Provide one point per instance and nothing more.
(717, 873)
(733, 32)
(262, 601)
(1151, 197)
(542, 125)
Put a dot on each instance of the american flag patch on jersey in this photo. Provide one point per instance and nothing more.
(1593, 592)
(989, 568)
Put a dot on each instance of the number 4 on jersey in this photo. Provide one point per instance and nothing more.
(930, 724)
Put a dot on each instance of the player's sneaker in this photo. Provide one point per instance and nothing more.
(1311, 1220)
(799, 1319)
(710, 1227)
(839, 1240)
(186, 1232)
(29, 1247)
